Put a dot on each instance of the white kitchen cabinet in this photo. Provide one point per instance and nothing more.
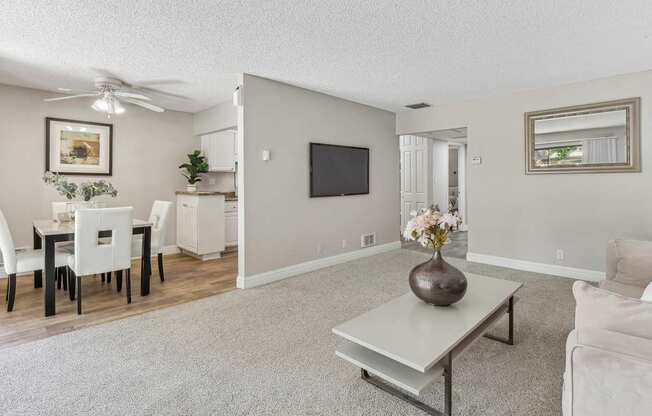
(201, 224)
(231, 223)
(221, 150)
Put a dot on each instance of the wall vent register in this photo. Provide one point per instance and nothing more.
(368, 240)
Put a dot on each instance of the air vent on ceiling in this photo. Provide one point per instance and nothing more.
(418, 105)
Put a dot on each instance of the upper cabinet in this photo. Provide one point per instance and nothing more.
(221, 150)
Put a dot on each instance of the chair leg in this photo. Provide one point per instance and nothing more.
(161, 272)
(128, 285)
(58, 274)
(11, 292)
(118, 280)
(108, 278)
(64, 277)
(79, 295)
(103, 277)
(71, 284)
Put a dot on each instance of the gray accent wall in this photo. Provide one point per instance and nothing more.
(529, 217)
(147, 149)
(283, 226)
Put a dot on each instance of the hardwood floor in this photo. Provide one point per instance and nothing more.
(186, 279)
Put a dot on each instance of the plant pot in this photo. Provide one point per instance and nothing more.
(437, 282)
(191, 188)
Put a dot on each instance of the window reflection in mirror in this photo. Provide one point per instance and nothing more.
(581, 139)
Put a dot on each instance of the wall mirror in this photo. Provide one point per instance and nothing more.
(599, 137)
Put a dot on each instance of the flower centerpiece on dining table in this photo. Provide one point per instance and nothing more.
(434, 281)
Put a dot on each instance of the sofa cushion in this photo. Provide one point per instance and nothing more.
(647, 293)
(598, 308)
(634, 270)
(622, 289)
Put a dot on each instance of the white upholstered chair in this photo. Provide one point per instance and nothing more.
(94, 256)
(20, 262)
(159, 219)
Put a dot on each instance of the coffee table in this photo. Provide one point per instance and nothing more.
(403, 346)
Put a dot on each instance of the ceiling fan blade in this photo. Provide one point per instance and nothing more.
(158, 92)
(69, 97)
(144, 105)
(164, 81)
(131, 95)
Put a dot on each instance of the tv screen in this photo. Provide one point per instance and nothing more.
(338, 170)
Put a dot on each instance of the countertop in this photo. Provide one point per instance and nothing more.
(228, 196)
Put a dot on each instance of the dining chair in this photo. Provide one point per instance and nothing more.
(23, 261)
(58, 211)
(159, 219)
(94, 256)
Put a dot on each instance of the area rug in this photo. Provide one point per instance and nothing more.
(270, 351)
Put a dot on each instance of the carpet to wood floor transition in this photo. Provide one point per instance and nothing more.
(270, 351)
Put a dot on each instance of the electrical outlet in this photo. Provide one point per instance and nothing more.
(343, 243)
(560, 254)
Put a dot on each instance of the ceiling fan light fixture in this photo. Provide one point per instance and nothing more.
(117, 107)
(100, 105)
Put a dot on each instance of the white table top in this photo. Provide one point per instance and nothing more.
(419, 335)
(51, 227)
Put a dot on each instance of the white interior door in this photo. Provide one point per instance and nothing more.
(414, 175)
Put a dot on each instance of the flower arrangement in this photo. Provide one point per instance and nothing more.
(85, 190)
(430, 228)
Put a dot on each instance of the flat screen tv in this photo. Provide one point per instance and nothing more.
(338, 170)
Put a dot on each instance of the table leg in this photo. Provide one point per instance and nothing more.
(146, 269)
(414, 401)
(38, 274)
(510, 334)
(49, 292)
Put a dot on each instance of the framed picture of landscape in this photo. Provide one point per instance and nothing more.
(74, 147)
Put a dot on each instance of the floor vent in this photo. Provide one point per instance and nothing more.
(417, 106)
(368, 240)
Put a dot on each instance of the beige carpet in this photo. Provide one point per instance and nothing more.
(270, 351)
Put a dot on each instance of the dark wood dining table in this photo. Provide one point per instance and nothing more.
(49, 232)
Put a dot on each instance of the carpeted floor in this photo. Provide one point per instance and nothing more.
(270, 351)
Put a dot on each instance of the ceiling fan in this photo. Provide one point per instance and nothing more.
(111, 93)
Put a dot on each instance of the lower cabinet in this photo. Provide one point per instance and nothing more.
(231, 228)
(200, 224)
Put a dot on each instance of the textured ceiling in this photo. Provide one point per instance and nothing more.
(382, 53)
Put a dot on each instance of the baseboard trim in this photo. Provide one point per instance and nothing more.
(169, 250)
(530, 266)
(247, 282)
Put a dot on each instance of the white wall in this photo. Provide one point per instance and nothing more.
(220, 117)
(527, 217)
(283, 226)
(147, 149)
(223, 116)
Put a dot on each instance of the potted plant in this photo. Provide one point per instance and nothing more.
(197, 165)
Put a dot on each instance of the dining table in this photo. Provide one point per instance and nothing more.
(49, 232)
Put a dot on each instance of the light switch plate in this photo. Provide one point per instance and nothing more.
(476, 160)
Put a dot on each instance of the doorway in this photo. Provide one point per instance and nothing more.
(433, 168)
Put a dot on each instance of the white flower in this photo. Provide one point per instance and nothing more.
(450, 220)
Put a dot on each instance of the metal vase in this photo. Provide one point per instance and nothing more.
(437, 282)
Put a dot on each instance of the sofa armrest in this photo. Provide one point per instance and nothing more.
(619, 248)
(607, 373)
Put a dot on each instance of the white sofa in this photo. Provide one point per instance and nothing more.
(609, 353)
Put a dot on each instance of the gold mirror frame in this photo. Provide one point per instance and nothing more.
(632, 107)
